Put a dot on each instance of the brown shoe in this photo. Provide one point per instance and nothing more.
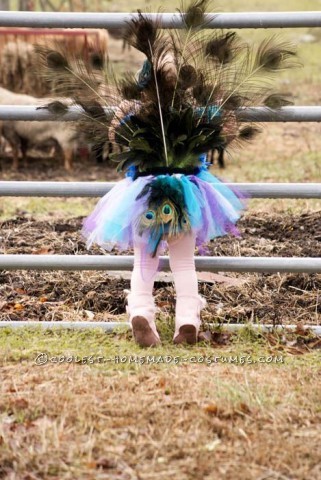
(143, 334)
(186, 334)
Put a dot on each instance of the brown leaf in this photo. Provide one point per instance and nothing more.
(43, 251)
(211, 408)
(105, 463)
(21, 291)
(18, 306)
(161, 382)
(244, 408)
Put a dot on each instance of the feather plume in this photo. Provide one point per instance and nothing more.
(56, 61)
(56, 107)
(222, 48)
(277, 100)
(183, 101)
(194, 14)
(248, 132)
(143, 34)
(129, 88)
(273, 56)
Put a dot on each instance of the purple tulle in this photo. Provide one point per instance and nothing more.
(213, 209)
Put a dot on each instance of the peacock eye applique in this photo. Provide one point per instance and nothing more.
(186, 226)
(150, 215)
(167, 209)
(167, 213)
(148, 219)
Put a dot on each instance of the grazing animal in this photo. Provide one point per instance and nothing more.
(22, 135)
(19, 70)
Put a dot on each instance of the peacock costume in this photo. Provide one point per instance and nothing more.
(162, 203)
(183, 104)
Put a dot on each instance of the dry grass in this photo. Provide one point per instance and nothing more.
(181, 422)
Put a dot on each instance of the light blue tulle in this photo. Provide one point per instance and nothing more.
(213, 208)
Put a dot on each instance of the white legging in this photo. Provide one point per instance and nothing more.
(182, 264)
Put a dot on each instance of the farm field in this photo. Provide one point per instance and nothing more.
(91, 405)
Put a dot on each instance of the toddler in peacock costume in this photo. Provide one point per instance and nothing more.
(182, 104)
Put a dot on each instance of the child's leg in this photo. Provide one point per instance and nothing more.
(141, 305)
(188, 302)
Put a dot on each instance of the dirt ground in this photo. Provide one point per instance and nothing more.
(231, 297)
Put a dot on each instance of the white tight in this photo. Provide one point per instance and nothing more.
(188, 302)
(182, 264)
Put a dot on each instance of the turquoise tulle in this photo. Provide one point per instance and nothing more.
(213, 209)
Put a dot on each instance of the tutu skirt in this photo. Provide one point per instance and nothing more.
(212, 207)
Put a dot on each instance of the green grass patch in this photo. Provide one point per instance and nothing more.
(118, 351)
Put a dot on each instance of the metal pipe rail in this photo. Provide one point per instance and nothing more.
(126, 262)
(98, 189)
(168, 20)
(95, 189)
(112, 326)
(246, 114)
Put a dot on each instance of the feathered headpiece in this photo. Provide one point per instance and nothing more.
(183, 101)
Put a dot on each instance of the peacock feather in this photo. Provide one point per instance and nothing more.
(183, 101)
(166, 214)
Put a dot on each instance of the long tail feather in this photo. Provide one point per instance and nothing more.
(185, 98)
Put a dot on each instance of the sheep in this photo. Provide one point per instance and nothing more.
(18, 72)
(22, 135)
(19, 60)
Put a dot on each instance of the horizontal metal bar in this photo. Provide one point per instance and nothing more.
(283, 114)
(36, 113)
(107, 326)
(126, 262)
(28, 32)
(98, 189)
(110, 327)
(247, 114)
(168, 20)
